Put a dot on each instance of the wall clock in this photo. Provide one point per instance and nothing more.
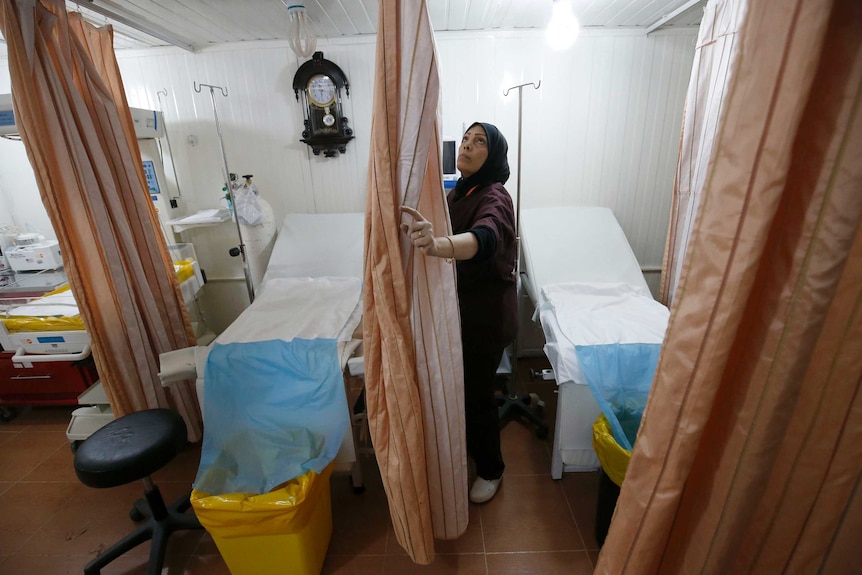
(319, 83)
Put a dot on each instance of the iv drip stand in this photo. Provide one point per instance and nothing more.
(245, 265)
(514, 402)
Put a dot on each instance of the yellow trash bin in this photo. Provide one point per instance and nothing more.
(614, 459)
(284, 531)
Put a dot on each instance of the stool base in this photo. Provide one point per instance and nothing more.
(161, 521)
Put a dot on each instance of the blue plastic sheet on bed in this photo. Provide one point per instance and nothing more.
(273, 410)
(620, 376)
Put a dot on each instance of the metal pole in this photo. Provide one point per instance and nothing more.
(517, 271)
(245, 265)
(520, 87)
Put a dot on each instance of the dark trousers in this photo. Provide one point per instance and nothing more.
(480, 405)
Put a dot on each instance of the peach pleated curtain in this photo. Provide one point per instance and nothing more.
(749, 457)
(715, 49)
(71, 110)
(412, 341)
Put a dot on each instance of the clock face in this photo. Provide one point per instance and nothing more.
(321, 90)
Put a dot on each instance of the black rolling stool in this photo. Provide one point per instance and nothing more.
(130, 448)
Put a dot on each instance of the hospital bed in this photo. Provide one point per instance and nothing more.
(311, 289)
(588, 289)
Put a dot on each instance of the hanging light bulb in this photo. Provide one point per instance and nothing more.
(563, 28)
(299, 33)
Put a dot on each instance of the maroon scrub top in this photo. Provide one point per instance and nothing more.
(487, 290)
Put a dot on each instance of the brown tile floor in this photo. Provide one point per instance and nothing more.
(51, 524)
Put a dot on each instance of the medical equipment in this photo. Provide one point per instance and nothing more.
(8, 233)
(311, 289)
(51, 324)
(46, 358)
(588, 290)
(32, 252)
(5, 268)
(149, 129)
(56, 382)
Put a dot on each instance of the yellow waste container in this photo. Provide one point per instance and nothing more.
(284, 531)
(614, 459)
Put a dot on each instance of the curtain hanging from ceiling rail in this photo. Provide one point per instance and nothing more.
(71, 109)
(414, 369)
(716, 47)
(749, 456)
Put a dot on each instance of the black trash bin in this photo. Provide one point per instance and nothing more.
(609, 492)
(614, 463)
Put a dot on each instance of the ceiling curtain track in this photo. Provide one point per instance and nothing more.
(749, 455)
(412, 338)
(75, 123)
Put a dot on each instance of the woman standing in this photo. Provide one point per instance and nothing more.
(483, 243)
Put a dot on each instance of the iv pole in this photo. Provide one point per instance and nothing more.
(245, 265)
(513, 401)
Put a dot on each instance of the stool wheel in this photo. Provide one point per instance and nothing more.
(139, 511)
(7, 414)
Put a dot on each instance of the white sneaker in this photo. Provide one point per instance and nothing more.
(484, 489)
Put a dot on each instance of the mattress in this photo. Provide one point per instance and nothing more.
(576, 244)
(317, 245)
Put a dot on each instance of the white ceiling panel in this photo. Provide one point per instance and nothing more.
(195, 24)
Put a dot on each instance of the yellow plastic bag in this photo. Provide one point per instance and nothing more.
(614, 459)
(286, 509)
(184, 269)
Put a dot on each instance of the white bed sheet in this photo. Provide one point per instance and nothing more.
(594, 314)
(307, 308)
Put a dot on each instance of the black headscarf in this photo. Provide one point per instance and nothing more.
(496, 166)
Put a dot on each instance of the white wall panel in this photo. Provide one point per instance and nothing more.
(603, 129)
